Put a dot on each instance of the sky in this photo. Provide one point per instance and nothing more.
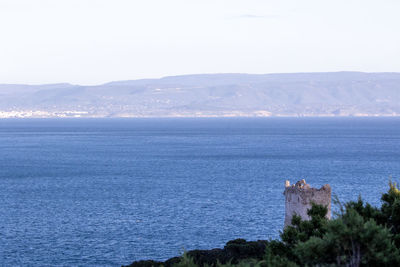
(97, 41)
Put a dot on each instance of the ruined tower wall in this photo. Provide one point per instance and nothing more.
(298, 199)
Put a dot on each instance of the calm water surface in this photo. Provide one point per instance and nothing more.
(106, 192)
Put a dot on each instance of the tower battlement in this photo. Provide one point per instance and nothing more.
(299, 196)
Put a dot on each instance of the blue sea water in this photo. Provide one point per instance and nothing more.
(106, 192)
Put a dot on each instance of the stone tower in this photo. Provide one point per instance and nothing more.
(298, 199)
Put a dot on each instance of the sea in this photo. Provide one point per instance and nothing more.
(107, 192)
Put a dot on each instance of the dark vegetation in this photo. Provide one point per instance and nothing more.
(359, 235)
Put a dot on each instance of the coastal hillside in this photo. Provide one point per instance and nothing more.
(215, 95)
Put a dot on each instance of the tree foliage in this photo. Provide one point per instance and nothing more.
(359, 235)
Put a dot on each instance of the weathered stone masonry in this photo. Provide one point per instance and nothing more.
(298, 199)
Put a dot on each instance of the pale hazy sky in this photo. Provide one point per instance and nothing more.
(96, 41)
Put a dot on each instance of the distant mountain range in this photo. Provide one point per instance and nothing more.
(212, 95)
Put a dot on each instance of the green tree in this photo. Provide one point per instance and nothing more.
(301, 231)
(350, 240)
(390, 211)
(359, 235)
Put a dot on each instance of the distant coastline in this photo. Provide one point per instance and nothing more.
(332, 94)
(80, 114)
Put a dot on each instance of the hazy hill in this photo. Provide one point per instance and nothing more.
(298, 94)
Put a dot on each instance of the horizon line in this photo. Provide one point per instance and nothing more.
(198, 74)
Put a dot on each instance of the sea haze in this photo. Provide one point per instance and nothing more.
(212, 95)
(101, 192)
